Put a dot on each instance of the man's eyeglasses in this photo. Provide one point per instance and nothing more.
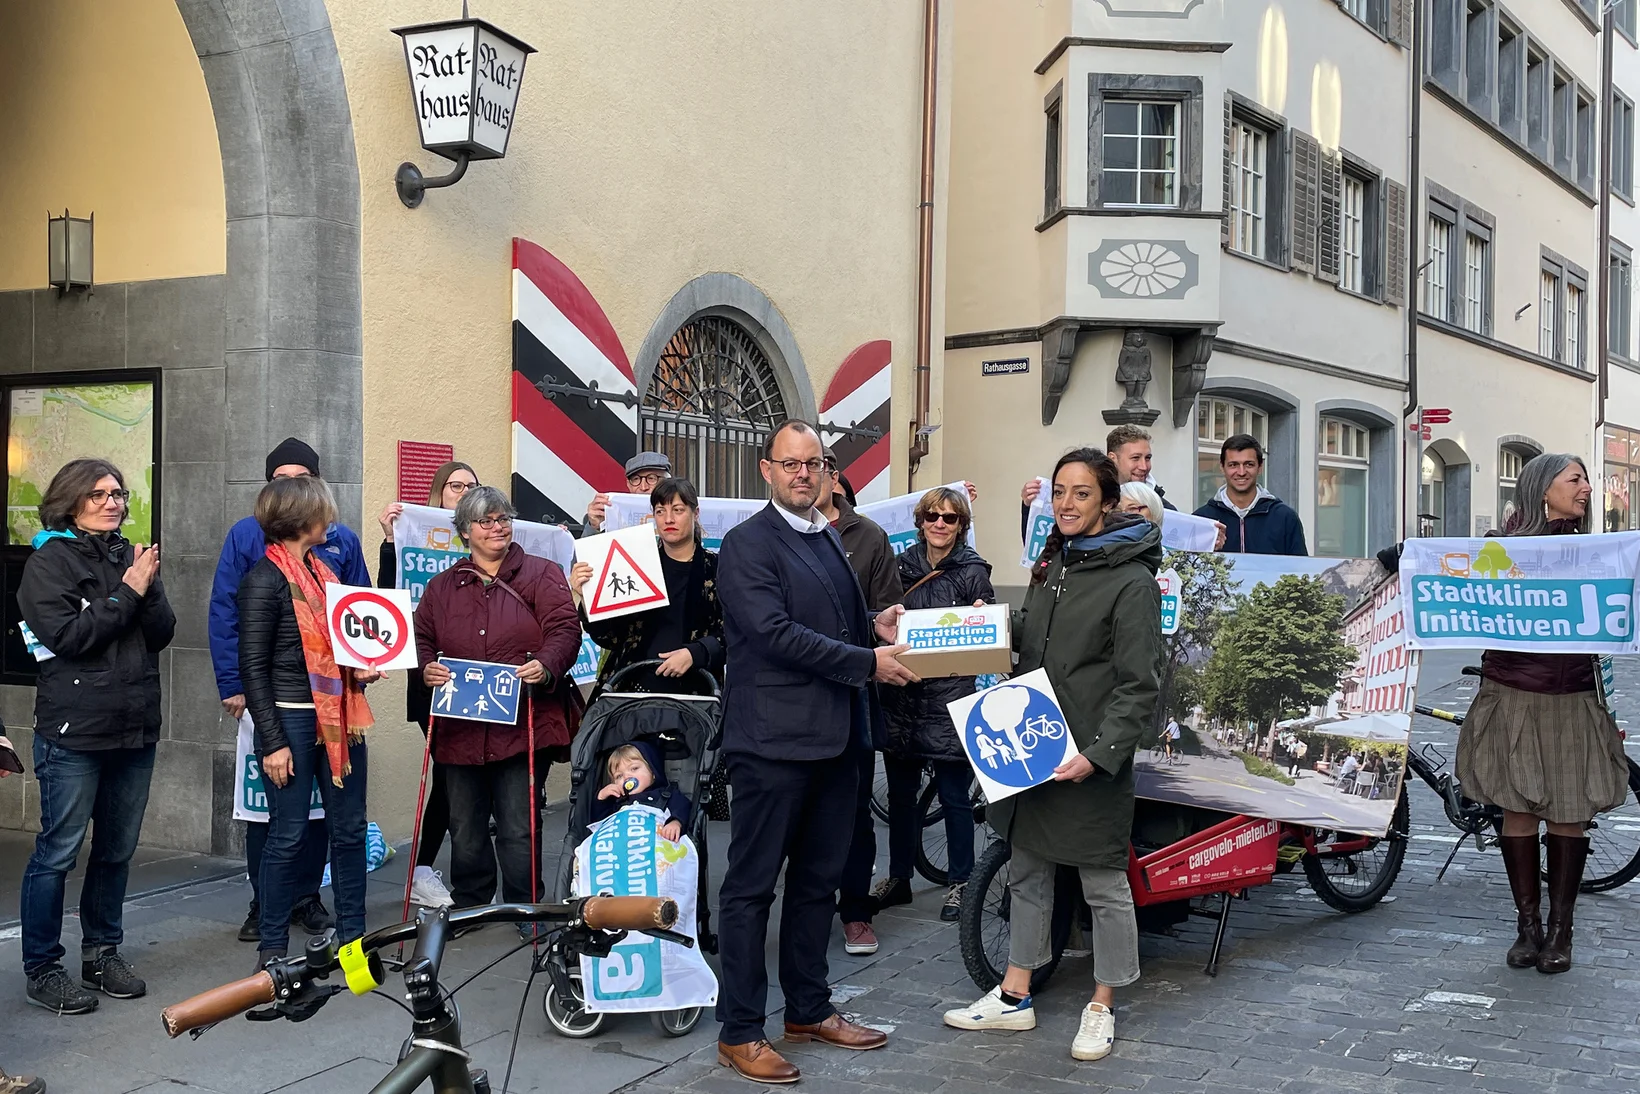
(99, 497)
(647, 481)
(488, 523)
(942, 518)
(792, 467)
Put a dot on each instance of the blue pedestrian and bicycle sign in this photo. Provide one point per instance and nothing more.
(479, 691)
(1014, 734)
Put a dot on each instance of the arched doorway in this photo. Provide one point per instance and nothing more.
(1444, 490)
(711, 401)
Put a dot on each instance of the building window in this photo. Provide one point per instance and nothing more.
(1144, 147)
(1341, 490)
(1217, 420)
(1537, 103)
(1620, 329)
(1549, 315)
(1050, 168)
(1623, 18)
(1431, 495)
(712, 401)
(1622, 146)
(1480, 53)
(1248, 176)
(1622, 470)
(1438, 253)
(1510, 462)
(1477, 265)
(1352, 232)
(1584, 136)
(1357, 8)
(1511, 78)
(1562, 108)
(1141, 154)
(1561, 312)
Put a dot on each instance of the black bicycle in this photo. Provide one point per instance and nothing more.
(298, 986)
(1614, 840)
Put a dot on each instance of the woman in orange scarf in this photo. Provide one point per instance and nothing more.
(310, 715)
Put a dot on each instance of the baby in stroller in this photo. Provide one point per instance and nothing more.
(637, 776)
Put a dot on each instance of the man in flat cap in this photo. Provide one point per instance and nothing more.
(643, 473)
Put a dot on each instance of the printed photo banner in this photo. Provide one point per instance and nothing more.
(1288, 680)
(718, 515)
(1530, 594)
(426, 543)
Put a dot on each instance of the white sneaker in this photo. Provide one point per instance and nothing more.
(1096, 1035)
(427, 889)
(990, 1012)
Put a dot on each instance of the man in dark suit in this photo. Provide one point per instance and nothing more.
(798, 707)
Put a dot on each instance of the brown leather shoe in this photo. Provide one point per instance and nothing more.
(838, 1031)
(759, 1062)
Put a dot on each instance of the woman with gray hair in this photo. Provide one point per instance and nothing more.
(502, 605)
(1539, 744)
(1141, 500)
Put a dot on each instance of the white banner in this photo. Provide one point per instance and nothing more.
(427, 545)
(250, 800)
(1532, 594)
(625, 856)
(1038, 523)
(718, 515)
(1187, 532)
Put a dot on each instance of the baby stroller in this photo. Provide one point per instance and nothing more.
(682, 723)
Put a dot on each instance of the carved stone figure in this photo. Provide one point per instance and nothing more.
(1133, 372)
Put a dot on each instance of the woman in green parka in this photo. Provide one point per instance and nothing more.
(1092, 619)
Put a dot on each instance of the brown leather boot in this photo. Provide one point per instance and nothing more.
(1520, 859)
(1566, 857)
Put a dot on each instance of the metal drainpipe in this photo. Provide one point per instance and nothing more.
(1415, 190)
(925, 242)
(1603, 333)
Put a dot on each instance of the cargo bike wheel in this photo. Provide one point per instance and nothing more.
(987, 907)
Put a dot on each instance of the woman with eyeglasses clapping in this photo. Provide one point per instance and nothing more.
(500, 605)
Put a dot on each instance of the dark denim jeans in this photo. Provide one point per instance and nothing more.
(310, 863)
(954, 778)
(476, 793)
(287, 825)
(104, 787)
(854, 898)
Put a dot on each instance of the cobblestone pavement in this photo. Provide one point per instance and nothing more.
(1411, 997)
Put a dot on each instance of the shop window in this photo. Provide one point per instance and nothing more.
(1341, 489)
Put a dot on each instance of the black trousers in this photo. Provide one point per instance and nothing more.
(854, 899)
(476, 793)
(797, 815)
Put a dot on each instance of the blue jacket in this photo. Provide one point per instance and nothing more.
(244, 548)
(798, 681)
(1272, 526)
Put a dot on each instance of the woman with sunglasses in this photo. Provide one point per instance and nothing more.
(500, 605)
(450, 484)
(940, 570)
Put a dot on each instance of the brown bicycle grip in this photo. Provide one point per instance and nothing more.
(217, 1004)
(629, 913)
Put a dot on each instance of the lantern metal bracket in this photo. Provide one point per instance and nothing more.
(412, 185)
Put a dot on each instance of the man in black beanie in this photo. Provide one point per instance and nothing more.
(245, 546)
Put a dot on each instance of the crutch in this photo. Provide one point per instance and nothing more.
(421, 805)
(535, 816)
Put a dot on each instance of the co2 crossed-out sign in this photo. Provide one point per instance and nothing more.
(370, 628)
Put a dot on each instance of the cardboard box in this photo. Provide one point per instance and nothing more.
(957, 641)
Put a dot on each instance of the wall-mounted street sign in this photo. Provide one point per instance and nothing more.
(1005, 368)
(465, 79)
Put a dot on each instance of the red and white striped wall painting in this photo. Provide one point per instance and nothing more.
(564, 451)
(860, 394)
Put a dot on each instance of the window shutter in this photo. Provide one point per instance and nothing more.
(1229, 156)
(1398, 22)
(1306, 161)
(1395, 243)
(1329, 212)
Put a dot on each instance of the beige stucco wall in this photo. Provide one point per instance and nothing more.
(106, 112)
(654, 143)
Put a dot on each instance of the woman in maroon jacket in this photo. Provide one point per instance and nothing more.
(501, 605)
(1539, 744)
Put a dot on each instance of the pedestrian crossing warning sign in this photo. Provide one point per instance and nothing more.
(626, 572)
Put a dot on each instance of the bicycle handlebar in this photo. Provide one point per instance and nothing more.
(599, 913)
(221, 1002)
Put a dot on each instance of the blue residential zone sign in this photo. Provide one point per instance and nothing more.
(480, 691)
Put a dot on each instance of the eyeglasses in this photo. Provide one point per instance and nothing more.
(792, 467)
(458, 486)
(99, 497)
(648, 480)
(942, 518)
(487, 523)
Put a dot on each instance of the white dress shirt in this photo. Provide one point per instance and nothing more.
(814, 522)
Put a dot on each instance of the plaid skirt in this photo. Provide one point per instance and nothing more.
(1558, 757)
